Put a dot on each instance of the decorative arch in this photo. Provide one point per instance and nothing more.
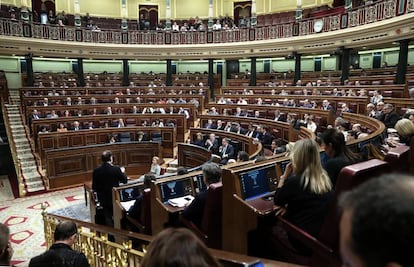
(150, 14)
(242, 10)
(44, 5)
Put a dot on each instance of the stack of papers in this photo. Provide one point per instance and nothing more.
(127, 204)
(181, 201)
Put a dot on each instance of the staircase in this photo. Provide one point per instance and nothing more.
(29, 173)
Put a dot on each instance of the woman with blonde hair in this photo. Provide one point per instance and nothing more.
(405, 129)
(304, 189)
(155, 166)
(178, 247)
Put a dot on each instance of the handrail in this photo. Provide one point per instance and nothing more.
(363, 15)
(94, 242)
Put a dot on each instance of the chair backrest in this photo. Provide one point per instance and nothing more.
(350, 177)
(211, 224)
(146, 211)
(397, 157)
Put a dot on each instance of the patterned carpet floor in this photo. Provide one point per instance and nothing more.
(23, 216)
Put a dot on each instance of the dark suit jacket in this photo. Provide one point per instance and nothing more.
(104, 178)
(266, 139)
(226, 154)
(390, 119)
(194, 212)
(214, 148)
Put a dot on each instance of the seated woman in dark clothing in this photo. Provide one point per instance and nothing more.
(338, 153)
(135, 211)
(200, 140)
(304, 189)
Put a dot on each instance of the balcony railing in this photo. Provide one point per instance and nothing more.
(379, 11)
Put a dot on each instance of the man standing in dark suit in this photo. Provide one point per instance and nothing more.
(194, 212)
(104, 178)
(226, 151)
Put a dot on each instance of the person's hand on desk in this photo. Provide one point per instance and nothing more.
(280, 211)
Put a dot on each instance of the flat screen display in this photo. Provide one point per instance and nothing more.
(257, 182)
(128, 194)
(172, 190)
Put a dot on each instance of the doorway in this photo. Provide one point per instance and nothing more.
(148, 17)
(43, 7)
(242, 13)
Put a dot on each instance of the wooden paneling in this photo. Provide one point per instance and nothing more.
(71, 166)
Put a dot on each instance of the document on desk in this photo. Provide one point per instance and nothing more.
(127, 204)
(181, 201)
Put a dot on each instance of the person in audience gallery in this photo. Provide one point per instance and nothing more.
(178, 247)
(194, 212)
(6, 249)
(376, 223)
(61, 252)
(338, 154)
(303, 190)
(104, 178)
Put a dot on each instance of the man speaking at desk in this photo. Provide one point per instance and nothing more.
(104, 178)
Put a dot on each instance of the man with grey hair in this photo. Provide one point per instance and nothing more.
(6, 250)
(194, 212)
(376, 224)
(390, 117)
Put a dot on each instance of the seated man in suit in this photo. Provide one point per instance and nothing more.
(212, 143)
(194, 212)
(390, 117)
(226, 151)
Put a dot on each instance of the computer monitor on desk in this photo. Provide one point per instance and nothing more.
(129, 193)
(175, 189)
(257, 182)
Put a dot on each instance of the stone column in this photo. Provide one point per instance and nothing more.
(252, 71)
(78, 20)
(81, 80)
(402, 62)
(211, 77)
(168, 16)
(125, 73)
(344, 59)
(29, 69)
(168, 81)
(298, 58)
(298, 15)
(124, 23)
(210, 15)
(253, 22)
